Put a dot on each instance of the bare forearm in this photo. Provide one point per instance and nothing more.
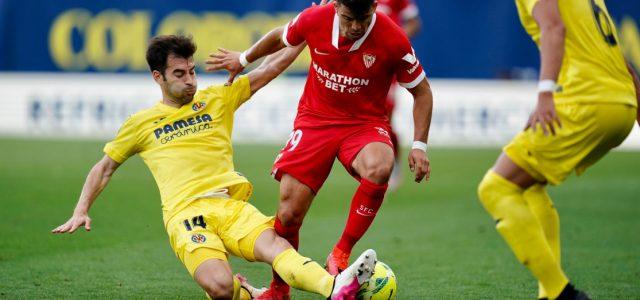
(96, 181)
(270, 43)
(422, 109)
(272, 66)
(551, 51)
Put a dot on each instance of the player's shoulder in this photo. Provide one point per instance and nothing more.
(316, 15)
(319, 12)
(143, 114)
(240, 82)
(209, 92)
(223, 93)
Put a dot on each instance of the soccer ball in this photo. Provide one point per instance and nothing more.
(382, 284)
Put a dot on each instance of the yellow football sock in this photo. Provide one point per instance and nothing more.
(518, 226)
(542, 208)
(303, 273)
(238, 292)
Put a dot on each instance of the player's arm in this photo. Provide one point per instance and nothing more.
(422, 108)
(234, 62)
(291, 34)
(96, 181)
(552, 33)
(636, 83)
(272, 66)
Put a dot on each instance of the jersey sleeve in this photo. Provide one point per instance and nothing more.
(295, 31)
(408, 70)
(125, 144)
(238, 92)
(528, 5)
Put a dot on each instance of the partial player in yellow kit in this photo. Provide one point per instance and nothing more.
(185, 140)
(587, 103)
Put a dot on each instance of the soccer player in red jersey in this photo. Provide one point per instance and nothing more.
(405, 14)
(356, 53)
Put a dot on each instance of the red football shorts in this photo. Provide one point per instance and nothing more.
(310, 152)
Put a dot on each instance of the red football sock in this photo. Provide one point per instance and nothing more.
(291, 234)
(364, 207)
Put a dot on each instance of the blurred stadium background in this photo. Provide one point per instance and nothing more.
(71, 71)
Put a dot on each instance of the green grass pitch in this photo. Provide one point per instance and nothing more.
(436, 236)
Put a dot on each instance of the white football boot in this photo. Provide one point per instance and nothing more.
(347, 283)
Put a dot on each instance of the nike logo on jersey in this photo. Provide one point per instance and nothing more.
(318, 52)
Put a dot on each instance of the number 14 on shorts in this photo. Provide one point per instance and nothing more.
(195, 221)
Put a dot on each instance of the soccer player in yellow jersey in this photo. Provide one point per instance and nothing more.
(185, 140)
(587, 104)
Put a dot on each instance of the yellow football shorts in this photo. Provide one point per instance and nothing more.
(588, 132)
(213, 229)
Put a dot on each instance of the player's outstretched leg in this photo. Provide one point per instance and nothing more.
(305, 274)
(374, 164)
(542, 207)
(215, 277)
(504, 200)
(295, 200)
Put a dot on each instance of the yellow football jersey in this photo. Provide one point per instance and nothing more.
(593, 69)
(187, 149)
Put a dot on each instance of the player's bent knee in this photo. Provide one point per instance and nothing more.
(292, 210)
(290, 216)
(219, 287)
(378, 171)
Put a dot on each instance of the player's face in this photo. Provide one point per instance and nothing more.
(179, 82)
(351, 26)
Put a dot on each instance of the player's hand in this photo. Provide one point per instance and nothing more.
(419, 164)
(74, 223)
(225, 59)
(545, 115)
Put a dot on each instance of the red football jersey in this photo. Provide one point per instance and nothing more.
(398, 10)
(349, 80)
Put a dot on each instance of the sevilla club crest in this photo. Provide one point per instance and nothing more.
(368, 59)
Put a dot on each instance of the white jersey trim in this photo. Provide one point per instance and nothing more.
(335, 33)
(286, 31)
(415, 82)
(284, 35)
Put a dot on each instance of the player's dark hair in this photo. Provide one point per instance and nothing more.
(160, 47)
(359, 8)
